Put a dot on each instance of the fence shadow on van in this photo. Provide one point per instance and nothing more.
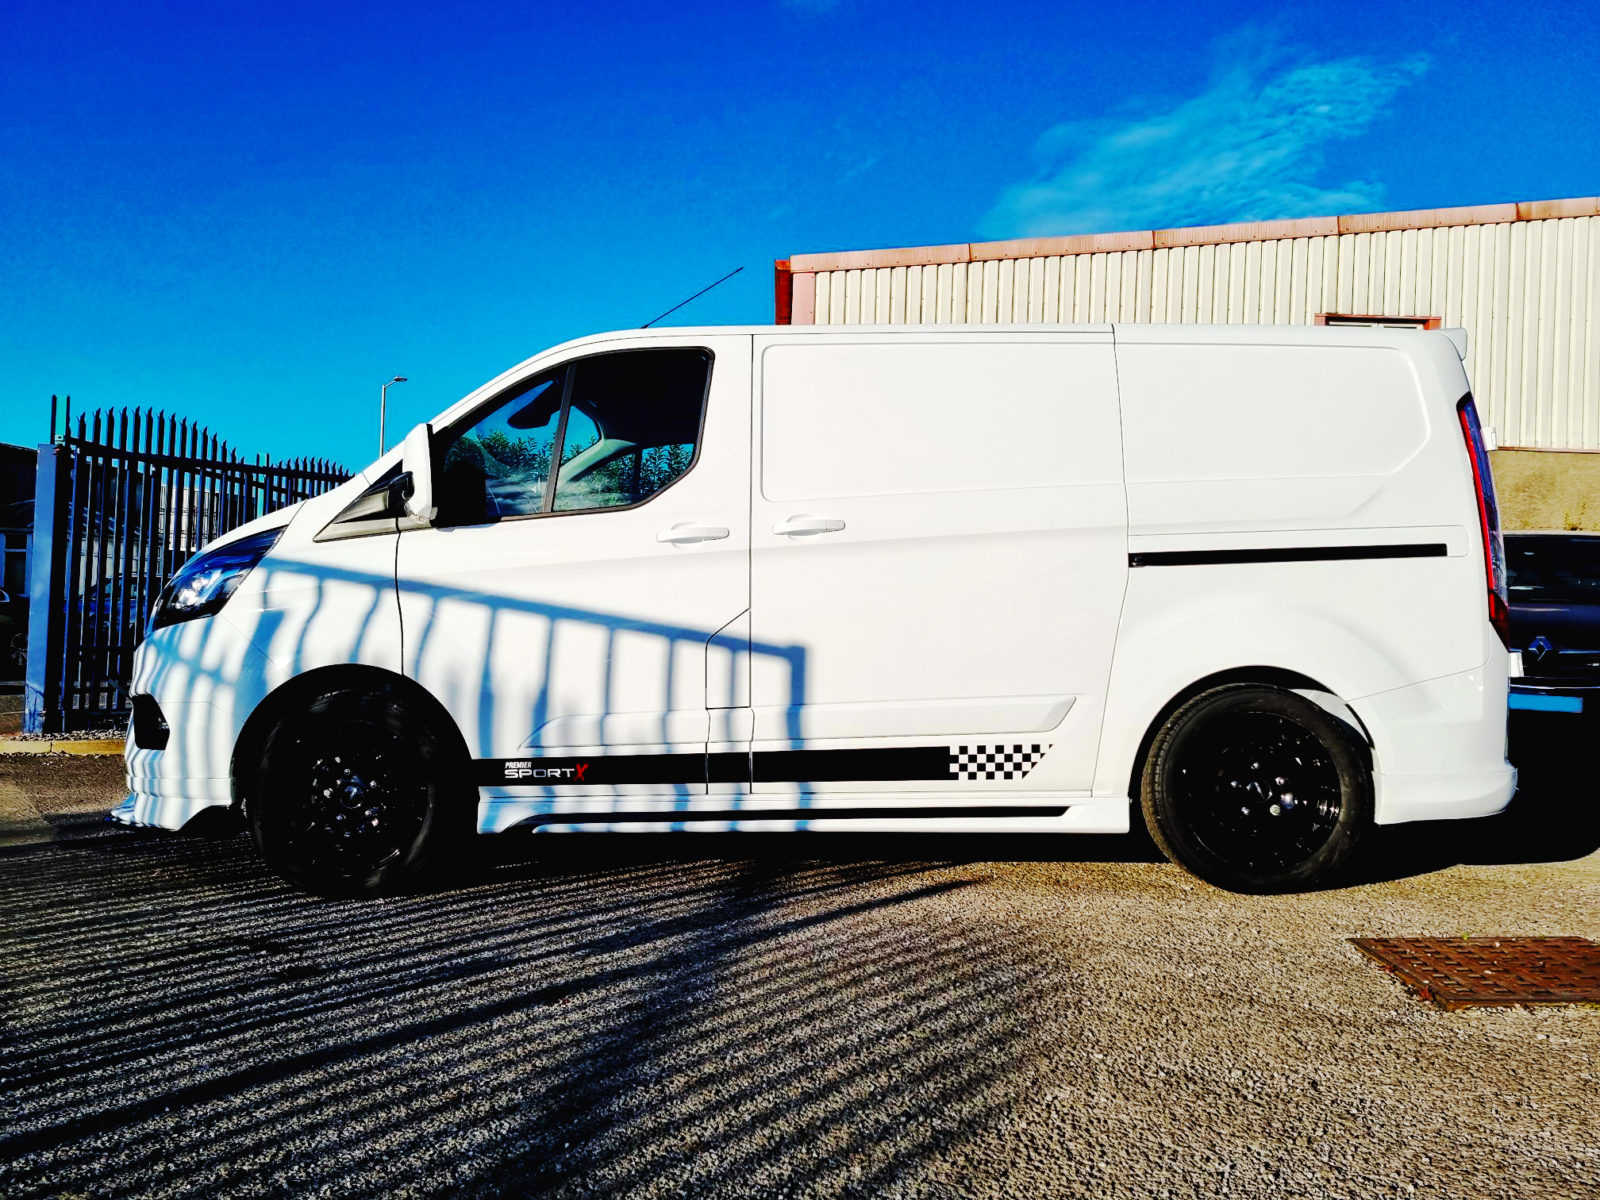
(205, 664)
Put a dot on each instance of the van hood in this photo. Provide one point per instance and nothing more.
(278, 518)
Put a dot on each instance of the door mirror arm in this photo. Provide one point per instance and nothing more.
(416, 494)
(397, 493)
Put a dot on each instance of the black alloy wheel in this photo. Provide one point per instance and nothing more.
(351, 799)
(1257, 789)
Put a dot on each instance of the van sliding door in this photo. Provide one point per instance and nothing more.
(938, 546)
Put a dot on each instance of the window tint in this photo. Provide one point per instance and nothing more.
(627, 425)
(498, 466)
(632, 426)
(1554, 570)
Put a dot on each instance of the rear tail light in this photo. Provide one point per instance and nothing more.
(1494, 550)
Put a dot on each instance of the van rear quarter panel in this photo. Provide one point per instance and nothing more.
(1274, 439)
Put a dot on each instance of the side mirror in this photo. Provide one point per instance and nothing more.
(417, 459)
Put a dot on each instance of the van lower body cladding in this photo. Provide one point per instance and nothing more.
(1439, 747)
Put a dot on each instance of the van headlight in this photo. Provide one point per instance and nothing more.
(204, 583)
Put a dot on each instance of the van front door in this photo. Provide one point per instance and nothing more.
(591, 543)
(939, 543)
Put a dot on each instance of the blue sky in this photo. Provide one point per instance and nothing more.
(253, 215)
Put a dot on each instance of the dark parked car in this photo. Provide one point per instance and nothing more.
(1554, 582)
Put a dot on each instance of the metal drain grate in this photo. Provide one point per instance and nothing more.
(1465, 972)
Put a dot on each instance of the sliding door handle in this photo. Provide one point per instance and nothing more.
(801, 526)
(682, 535)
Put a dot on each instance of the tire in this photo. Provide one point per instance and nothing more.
(354, 795)
(1257, 789)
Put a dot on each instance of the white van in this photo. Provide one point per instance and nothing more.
(1005, 578)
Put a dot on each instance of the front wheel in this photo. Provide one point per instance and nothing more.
(352, 799)
(1257, 789)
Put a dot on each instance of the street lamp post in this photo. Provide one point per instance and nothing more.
(383, 410)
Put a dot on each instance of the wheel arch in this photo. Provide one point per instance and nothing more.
(251, 742)
(1278, 677)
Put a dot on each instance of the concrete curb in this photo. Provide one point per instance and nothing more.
(80, 746)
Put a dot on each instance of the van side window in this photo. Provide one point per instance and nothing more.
(499, 465)
(622, 426)
(633, 423)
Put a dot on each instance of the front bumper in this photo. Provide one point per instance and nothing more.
(148, 810)
(180, 748)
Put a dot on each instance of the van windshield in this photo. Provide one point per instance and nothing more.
(1551, 569)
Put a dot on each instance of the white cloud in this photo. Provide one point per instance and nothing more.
(1251, 146)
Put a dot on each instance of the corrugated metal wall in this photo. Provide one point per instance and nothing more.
(1528, 292)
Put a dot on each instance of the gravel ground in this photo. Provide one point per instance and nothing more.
(49, 797)
(758, 1016)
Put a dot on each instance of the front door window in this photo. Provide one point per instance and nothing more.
(622, 426)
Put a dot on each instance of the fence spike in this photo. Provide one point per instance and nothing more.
(97, 425)
(122, 430)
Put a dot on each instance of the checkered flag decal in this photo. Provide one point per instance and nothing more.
(995, 762)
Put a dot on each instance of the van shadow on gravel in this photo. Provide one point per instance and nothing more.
(1554, 817)
(614, 1021)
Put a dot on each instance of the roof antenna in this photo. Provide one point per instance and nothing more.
(696, 296)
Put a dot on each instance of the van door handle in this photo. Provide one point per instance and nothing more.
(807, 525)
(682, 535)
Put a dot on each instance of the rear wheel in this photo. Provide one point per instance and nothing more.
(352, 797)
(1257, 789)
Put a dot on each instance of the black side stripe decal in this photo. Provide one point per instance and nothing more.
(834, 766)
(961, 763)
(1193, 558)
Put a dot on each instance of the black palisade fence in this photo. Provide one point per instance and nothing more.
(124, 501)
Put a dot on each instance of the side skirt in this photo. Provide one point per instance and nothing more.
(860, 813)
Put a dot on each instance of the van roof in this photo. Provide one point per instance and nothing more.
(1420, 345)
